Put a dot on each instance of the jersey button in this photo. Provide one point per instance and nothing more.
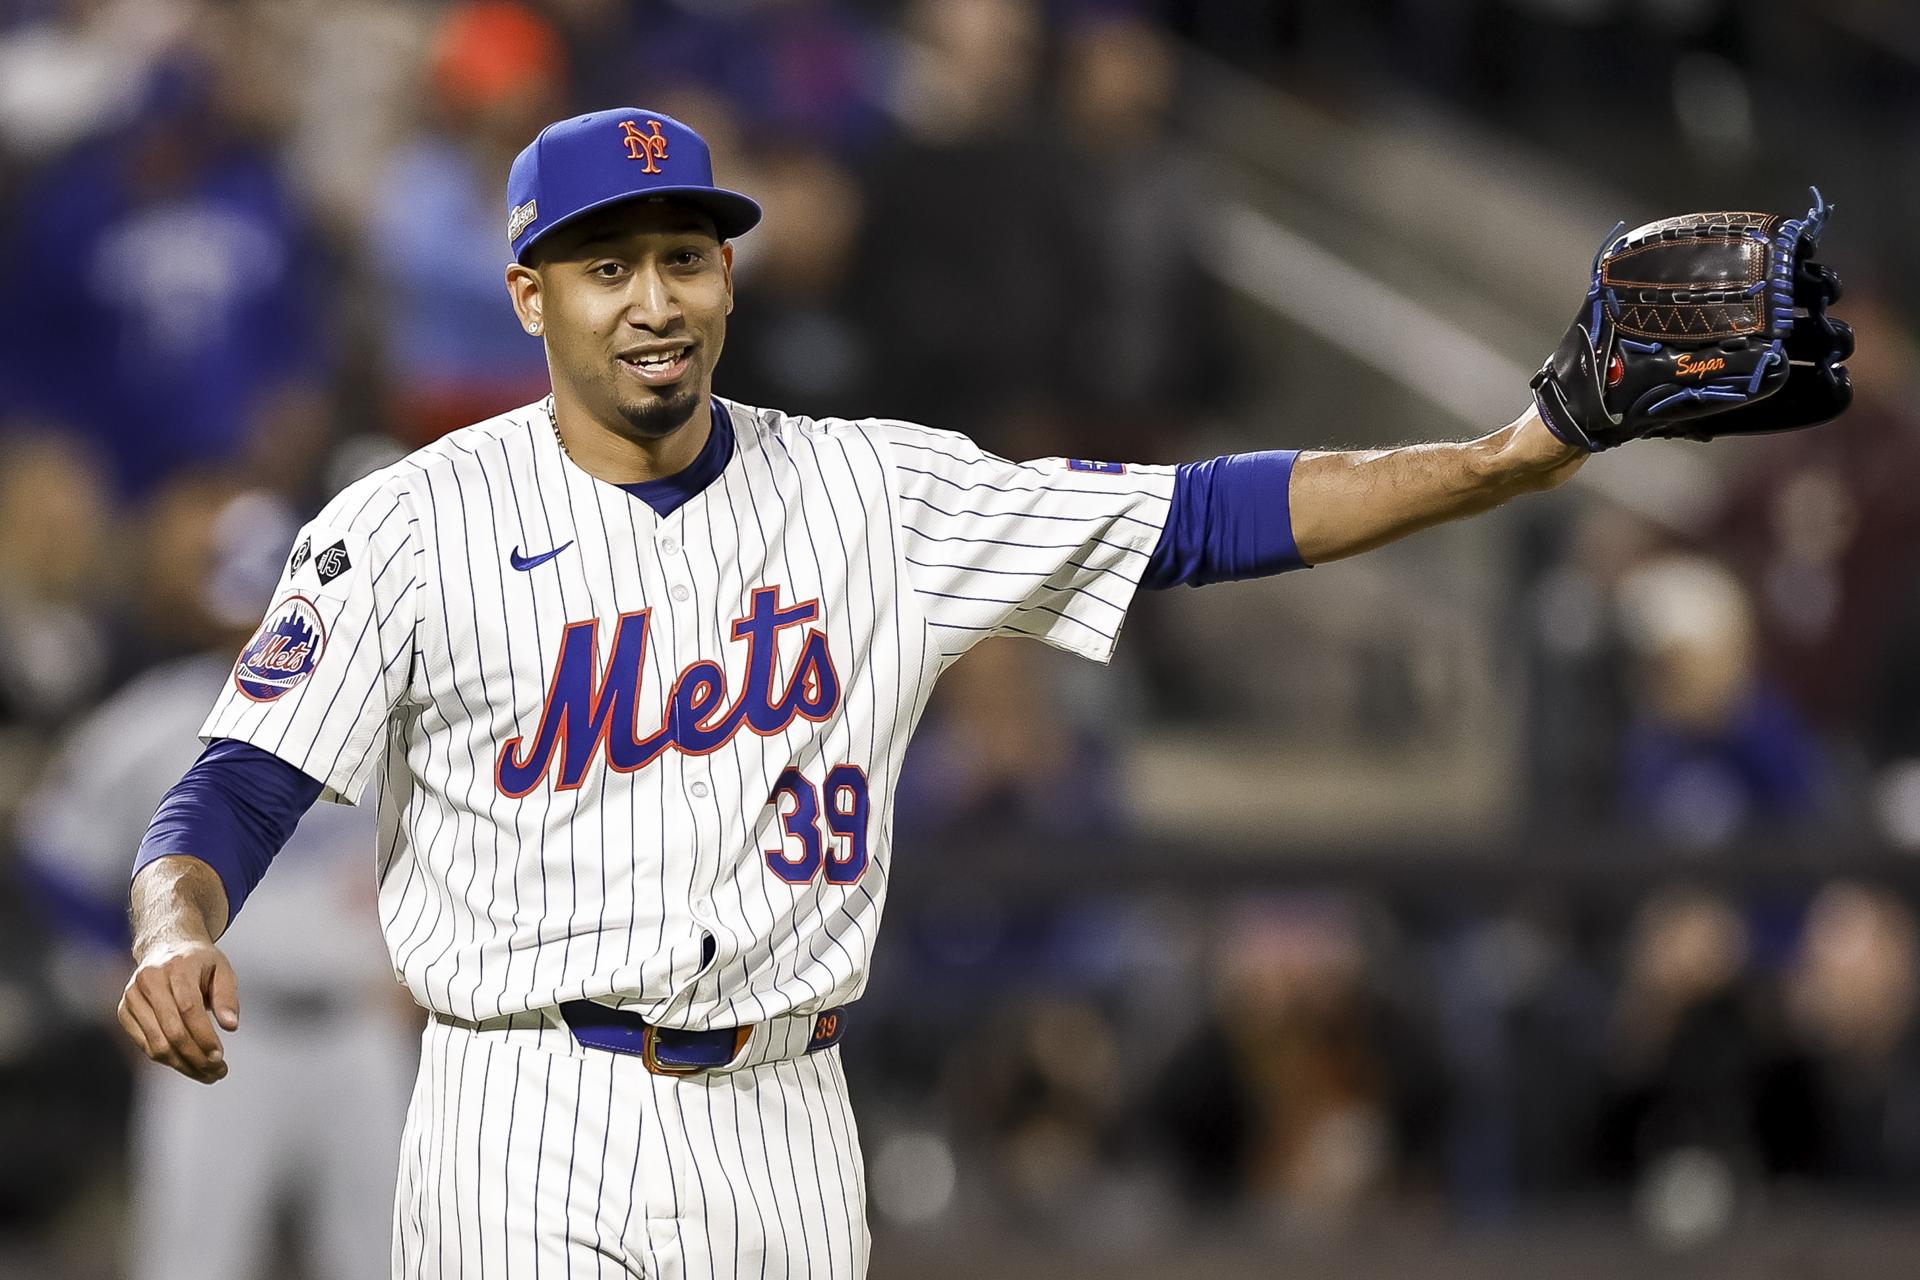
(669, 546)
(679, 593)
(699, 789)
(704, 906)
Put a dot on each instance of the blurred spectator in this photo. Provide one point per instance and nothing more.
(1823, 527)
(1295, 1097)
(63, 1086)
(1700, 1106)
(77, 67)
(1713, 751)
(166, 614)
(58, 570)
(438, 237)
(351, 72)
(1002, 747)
(1147, 332)
(1521, 1009)
(1048, 1095)
(1579, 706)
(969, 243)
(1851, 999)
(816, 69)
(309, 1120)
(801, 335)
(173, 278)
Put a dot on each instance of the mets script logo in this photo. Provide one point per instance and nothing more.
(644, 146)
(284, 651)
(593, 706)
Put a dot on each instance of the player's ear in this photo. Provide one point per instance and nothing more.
(523, 287)
(726, 265)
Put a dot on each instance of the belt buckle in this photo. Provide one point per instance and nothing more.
(651, 1060)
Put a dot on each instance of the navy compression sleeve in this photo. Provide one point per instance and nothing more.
(234, 810)
(1229, 519)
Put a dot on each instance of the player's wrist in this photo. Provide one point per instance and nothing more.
(182, 938)
(177, 902)
(1528, 456)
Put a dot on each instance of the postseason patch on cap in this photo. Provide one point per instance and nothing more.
(517, 221)
(1099, 468)
(283, 652)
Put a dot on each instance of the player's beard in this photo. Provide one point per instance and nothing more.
(650, 416)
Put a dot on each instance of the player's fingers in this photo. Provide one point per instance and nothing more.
(152, 1039)
(182, 1054)
(201, 1046)
(223, 994)
(166, 1012)
(130, 1023)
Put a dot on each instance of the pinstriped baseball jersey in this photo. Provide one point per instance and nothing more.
(651, 759)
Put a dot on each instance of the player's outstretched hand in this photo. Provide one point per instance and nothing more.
(1704, 325)
(165, 1008)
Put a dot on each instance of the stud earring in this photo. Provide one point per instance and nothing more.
(534, 327)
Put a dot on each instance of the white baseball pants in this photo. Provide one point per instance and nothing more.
(526, 1156)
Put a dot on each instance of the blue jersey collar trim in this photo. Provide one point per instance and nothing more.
(669, 493)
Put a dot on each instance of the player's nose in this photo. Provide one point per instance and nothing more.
(652, 303)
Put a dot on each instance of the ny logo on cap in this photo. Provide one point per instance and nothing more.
(644, 146)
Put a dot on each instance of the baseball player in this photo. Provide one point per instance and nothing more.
(630, 672)
(313, 1124)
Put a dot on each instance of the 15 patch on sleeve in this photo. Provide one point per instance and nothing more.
(332, 562)
(1098, 468)
(283, 652)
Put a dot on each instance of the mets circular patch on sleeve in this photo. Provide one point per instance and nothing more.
(283, 652)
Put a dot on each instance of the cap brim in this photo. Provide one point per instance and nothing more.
(733, 214)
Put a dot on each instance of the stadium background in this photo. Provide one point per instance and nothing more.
(1535, 897)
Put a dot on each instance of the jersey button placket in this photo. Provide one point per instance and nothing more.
(675, 566)
(693, 637)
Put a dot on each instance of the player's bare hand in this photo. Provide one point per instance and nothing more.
(171, 1003)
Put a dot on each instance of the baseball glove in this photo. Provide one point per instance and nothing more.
(1705, 325)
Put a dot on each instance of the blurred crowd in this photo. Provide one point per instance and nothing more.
(258, 249)
(1288, 1066)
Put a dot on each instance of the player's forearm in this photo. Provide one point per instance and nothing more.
(1351, 501)
(177, 899)
(231, 814)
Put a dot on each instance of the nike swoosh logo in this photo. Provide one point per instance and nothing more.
(524, 563)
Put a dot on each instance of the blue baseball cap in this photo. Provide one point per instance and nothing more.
(625, 153)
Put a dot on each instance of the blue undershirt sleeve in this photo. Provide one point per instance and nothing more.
(1229, 520)
(234, 810)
